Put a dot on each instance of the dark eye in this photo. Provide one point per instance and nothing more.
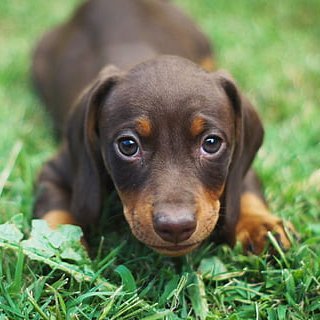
(128, 146)
(211, 144)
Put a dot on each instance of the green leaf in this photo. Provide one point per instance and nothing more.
(63, 242)
(9, 232)
(39, 239)
(71, 232)
(42, 248)
(71, 254)
(211, 267)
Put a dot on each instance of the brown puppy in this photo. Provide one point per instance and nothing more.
(176, 141)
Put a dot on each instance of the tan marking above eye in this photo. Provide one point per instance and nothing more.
(207, 64)
(144, 127)
(197, 126)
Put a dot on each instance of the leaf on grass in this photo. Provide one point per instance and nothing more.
(41, 248)
(71, 254)
(9, 232)
(63, 242)
(211, 267)
(60, 249)
(214, 269)
(73, 233)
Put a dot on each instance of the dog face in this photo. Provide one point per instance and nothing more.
(167, 133)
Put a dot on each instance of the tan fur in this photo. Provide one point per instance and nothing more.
(208, 64)
(144, 127)
(55, 218)
(255, 222)
(139, 214)
(197, 126)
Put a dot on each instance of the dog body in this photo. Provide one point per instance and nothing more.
(175, 140)
(122, 33)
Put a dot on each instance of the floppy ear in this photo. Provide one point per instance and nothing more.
(90, 180)
(248, 139)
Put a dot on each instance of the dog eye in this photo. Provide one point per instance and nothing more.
(128, 146)
(211, 144)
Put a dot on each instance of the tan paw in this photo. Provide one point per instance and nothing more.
(252, 232)
(256, 221)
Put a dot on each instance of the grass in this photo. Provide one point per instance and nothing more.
(272, 49)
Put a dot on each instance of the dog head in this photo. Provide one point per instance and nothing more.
(176, 142)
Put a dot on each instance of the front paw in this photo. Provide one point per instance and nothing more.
(252, 232)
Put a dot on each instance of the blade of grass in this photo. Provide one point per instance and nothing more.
(197, 294)
(275, 244)
(16, 285)
(109, 304)
(36, 306)
(158, 315)
(59, 303)
(5, 174)
(127, 278)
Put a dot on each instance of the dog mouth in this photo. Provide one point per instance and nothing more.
(175, 250)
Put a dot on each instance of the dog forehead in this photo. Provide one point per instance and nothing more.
(167, 79)
(167, 85)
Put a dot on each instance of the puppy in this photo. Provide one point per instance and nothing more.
(149, 119)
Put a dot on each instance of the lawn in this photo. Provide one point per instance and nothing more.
(272, 48)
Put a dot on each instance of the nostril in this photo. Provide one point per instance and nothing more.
(165, 232)
(174, 227)
(188, 229)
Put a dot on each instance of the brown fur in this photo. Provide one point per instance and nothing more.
(139, 214)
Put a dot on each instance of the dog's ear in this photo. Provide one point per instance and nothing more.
(90, 179)
(248, 139)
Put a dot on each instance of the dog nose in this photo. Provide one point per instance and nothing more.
(174, 226)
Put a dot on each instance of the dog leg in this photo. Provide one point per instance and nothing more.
(55, 218)
(256, 220)
(53, 192)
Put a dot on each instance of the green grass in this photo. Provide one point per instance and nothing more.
(272, 49)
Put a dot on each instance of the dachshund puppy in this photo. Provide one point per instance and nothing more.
(147, 117)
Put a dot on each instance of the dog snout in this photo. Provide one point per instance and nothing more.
(175, 225)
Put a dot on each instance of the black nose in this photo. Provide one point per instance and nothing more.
(174, 225)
